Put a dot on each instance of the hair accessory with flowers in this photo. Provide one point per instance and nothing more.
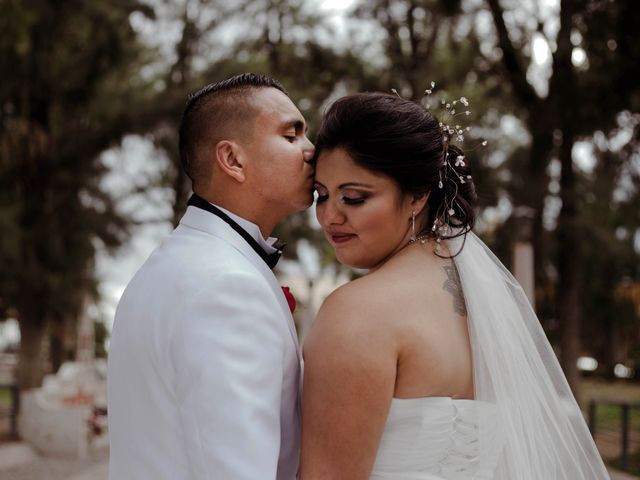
(451, 171)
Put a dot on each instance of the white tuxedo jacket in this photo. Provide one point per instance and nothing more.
(204, 366)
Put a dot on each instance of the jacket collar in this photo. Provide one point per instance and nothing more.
(206, 222)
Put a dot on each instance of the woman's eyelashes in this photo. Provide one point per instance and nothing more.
(354, 200)
(323, 196)
(321, 193)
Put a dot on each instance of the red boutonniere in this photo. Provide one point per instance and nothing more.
(291, 300)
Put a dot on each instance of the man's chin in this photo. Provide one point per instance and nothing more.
(302, 203)
(306, 203)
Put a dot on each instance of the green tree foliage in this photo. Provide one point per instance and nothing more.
(610, 196)
(69, 92)
(280, 39)
(101, 334)
(418, 41)
(449, 42)
(76, 85)
(433, 40)
(574, 107)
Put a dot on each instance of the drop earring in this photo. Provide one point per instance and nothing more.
(413, 226)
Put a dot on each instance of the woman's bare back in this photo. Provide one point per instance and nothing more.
(426, 318)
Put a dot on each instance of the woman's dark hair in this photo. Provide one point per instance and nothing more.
(399, 138)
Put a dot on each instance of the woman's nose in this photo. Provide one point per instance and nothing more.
(329, 213)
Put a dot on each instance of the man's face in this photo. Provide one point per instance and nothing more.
(279, 153)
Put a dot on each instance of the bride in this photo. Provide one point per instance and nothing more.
(433, 365)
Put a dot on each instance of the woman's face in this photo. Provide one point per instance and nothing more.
(363, 214)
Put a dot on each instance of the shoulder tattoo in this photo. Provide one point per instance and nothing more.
(452, 285)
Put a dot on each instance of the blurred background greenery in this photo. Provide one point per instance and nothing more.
(91, 94)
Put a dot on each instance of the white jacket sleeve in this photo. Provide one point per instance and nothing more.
(228, 358)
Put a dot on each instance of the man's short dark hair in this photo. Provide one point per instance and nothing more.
(214, 113)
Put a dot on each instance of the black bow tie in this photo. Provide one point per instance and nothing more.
(271, 259)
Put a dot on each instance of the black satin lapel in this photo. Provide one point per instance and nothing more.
(270, 259)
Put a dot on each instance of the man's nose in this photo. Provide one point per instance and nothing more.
(308, 150)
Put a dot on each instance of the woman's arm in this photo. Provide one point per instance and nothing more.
(349, 379)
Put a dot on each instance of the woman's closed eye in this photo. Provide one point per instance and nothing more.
(323, 197)
(353, 200)
(322, 194)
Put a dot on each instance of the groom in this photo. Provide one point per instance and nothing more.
(204, 366)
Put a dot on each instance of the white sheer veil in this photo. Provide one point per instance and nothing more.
(544, 433)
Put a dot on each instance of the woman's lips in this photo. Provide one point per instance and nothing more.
(341, 237)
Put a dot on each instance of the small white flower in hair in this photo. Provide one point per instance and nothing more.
(464, 101)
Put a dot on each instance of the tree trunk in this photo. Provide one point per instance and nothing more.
(541, 147)
(609, 350)
(30, 360)
(62, 340)
(569, 270)
(568, 230)
(35, 165)
(185, 51)
(541, 123)
(56, 344)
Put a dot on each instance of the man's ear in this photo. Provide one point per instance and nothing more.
(230, 159)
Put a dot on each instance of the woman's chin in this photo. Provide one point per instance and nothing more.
(354, 262)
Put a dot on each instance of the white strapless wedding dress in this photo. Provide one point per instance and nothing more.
(523, 425)
(438, 438)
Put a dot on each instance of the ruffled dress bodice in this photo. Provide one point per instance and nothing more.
(439, 438)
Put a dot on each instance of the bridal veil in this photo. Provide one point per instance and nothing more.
(543, 432)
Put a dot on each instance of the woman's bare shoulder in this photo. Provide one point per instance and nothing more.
(351, 319)
(361, 302)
